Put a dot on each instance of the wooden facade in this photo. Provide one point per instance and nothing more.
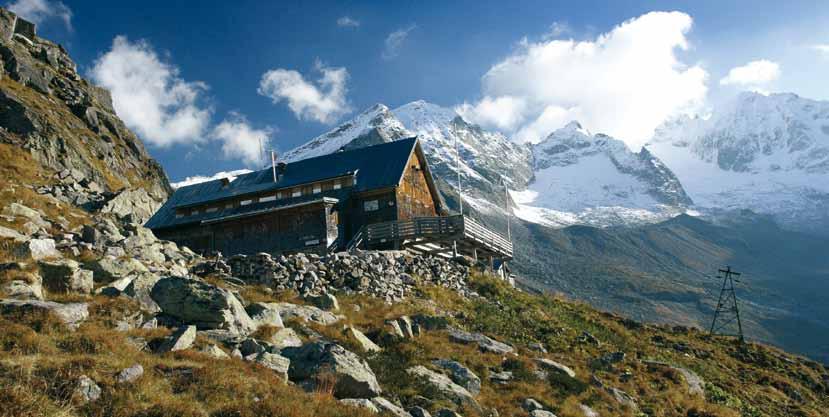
(319, 214)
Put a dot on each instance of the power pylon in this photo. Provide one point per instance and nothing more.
(727, 311)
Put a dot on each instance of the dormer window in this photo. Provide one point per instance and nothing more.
(267, 198)
(246, 202)
(317, 188)
(338, 185)
(297, 192)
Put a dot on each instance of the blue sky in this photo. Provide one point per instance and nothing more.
(200, 82)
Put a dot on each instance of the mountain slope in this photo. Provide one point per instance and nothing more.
(582, 178)
(769, 154)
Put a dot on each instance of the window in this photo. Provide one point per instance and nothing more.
(211, 210)
(279, 194)
(317, 188)
(297, 192)
(266, 199)
(179, 215)
(246, 202)
(229, 206)
(194, 212)
(371, 205)
(337, 185)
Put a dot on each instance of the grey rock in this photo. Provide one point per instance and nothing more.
(406, 327)
(696, 385)
(201, 304)
(19, 210)
(250, 347)
(181, 339)
(353, 377)
(530, 404)
(387, 407)
(551, 365)
(485, 343)
(265, 314)
(29, 289)
(445, 412)
(140, 289)
(306, 313)
(87, 390)
(130, 374)
(109, 268)
(38, 249)
(360, 403)
(325, 301)
(274, 362)
(622, 397)
(587, 411)
(442, 386)
(72, 314)
(6, 233)
(65, 275)
(541, 413)
(460, 375)
(283, 338)
(214, 351)
(500, 378)
(361, 340)
(137, 204)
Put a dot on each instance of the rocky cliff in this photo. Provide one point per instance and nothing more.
(64, 122)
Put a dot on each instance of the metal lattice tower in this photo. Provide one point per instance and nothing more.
(727, 311)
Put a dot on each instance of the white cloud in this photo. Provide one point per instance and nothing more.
(822, 48)
(197, 179)
(395, 41)
(557, 29)
(241, 141)
(39, 11)
(149, 95)
(348, 22)
(755, 73)
(323, 101)
(502, 113)
(623, 83)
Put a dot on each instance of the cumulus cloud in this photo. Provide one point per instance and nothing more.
(241, 141)
(39, 11)
(753, 74)
(348, 22)
(323, 101)
(504, 112)
(395, 41)
(198, 179)
(623, 83)
(150, 96)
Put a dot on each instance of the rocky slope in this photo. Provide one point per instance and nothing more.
(63, 121)
(769, 154)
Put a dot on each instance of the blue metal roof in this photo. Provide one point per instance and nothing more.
(377, 166)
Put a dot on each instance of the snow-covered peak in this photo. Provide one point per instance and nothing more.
(375, 125)
(420, 113)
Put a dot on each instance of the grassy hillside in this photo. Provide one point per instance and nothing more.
(40, 361)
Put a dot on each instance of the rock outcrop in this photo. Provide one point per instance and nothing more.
(353, 378)
(201, 304)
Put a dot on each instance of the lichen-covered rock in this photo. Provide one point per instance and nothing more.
(181, 339)
(551, 365)
(484, 342)
(110, 268)
(283, 338)
(353, 378)
(72, 314)
(65, 275)
(460, 375)
(135, 204)
(38, 249)
(201, 304)
(87, 390)
(389, 408)
(355, 335)
(274, 362)
(290, 311)
(28, 288)
(360, 403)
(130, 374)
(140, 289)
(442, 387)
(265, 314)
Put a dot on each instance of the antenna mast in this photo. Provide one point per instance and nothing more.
(727, 311)
(273, 164)
(458, 163)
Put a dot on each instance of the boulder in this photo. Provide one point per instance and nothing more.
(181, 339)
(551, 365)
(201, 304)
(541, 413)
(353, 378)
(140, 288)
(214, 351)
(290, 311)
(283, 338)
(65, 275)
(130, 374)
(485, 343)
(6, 233)
(110, 268)
(389, 408)
(30, 288)
(274, 362)
(87, 390)
(265, 314)
(19, 210)
(587, 411)
(419, 412)
(445, 412)
(72, 314)
(460, 375)
(324, 301)
(530, 404)
(407, 327)
(442, 386)
(361, 403)
(38, 249)
(366, 345)
(622, 397)
(138, 205)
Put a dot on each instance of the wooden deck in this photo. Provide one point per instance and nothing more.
(438, 235)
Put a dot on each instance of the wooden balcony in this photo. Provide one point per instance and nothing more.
(444, 236)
